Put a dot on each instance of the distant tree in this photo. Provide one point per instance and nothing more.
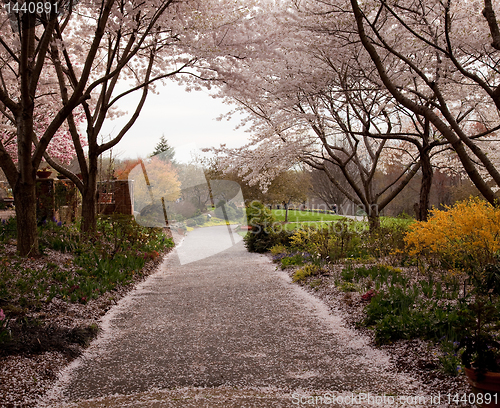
(161, 183)
(288, 187)
(194, 185)
(124, 168)
(215, 171)
(164, 151)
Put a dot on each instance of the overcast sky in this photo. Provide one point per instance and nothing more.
(187, 119)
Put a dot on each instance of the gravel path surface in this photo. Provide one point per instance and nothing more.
(227, 330)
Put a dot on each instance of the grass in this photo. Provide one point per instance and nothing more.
(318, 220)
(214, 222)
(304, 216)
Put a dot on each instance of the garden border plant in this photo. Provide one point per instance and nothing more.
(426, 298)
(115, 257)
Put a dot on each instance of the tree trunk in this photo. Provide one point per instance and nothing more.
(425, 187)
(89, 212)
(286, 212)
(373, 217)
(89, 201)
(373, 221)
(27, 232)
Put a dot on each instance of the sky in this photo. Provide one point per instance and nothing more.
(186, 119)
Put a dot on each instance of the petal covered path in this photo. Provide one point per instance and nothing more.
(226, 330)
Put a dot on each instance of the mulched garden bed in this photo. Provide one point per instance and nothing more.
(46, 338)
(416, 357)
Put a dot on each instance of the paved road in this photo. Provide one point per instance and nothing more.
(226, 330)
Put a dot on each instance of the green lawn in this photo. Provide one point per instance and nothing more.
(298, 219)
(317, 220)
(304, 216)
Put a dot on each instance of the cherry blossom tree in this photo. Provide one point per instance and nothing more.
(309, 102)
(178, 38)
(438, 59)
(85, 51)
(412, 63)
(26, 88)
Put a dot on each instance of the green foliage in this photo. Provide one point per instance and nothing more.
(261, 239)
(450, 358)
(61, 238)
(479, 328)
(5, 334)
(302, 274)
(265, 233)
(348, 287)
(296, 259)
(278, 249)
(259, 214)
(401, 313)
(401, 310)
(163, 150)
(384, 274)
(332, 242)
(200, 220)
(385, 240)
(8, 229)
(114, 257)
(233, 213)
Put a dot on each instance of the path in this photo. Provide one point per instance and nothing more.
(227, 330)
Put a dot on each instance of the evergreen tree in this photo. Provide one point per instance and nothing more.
(164, 151)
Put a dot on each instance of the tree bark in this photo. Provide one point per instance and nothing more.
(25, 202)
(373, 221)
(89, 197)
(425, 187)
(89, 211)
(446, 131)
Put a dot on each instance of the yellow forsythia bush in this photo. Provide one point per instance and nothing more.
(462, 238)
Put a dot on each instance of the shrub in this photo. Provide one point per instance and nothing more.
(258, 214)
(385, 240)
(261, 239)
(265, 234)
(278, 249)
(295, 259)
(332, 242)
(233, 213)
(191, 223)
(199, 220)
(464, 238)
(302, 274)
